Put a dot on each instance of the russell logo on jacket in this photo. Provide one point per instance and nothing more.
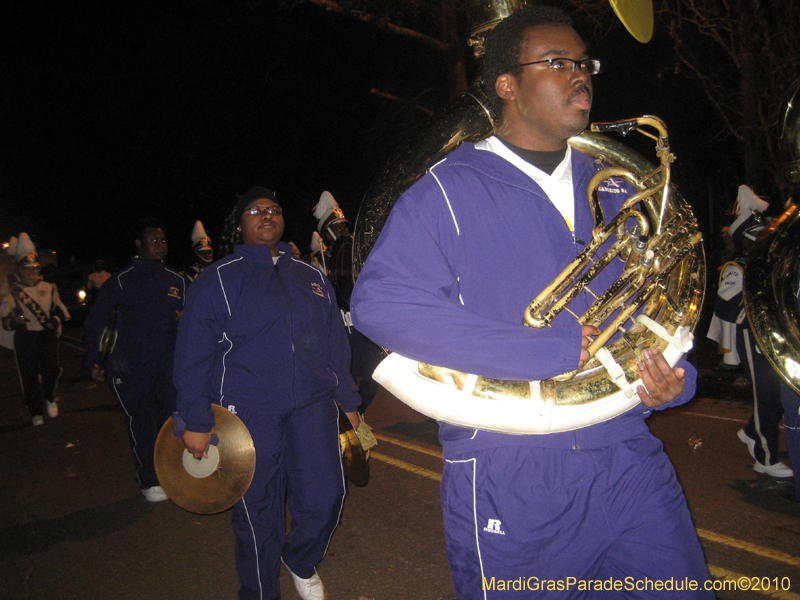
(494, 526)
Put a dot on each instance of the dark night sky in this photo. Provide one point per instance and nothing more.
(120, 110)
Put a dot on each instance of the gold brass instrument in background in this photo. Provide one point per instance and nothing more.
(771, 272)
(790, 137)
(770, 295)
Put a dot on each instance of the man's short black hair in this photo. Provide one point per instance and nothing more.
(504, 44)
(136, 232)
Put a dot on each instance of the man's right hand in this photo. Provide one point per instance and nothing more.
(197, 443)
(98, 374)
(586, 330)
(14, 320)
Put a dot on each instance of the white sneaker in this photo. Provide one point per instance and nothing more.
(37, 420)
(155, 494)
(52, 408)
(778, 470)
(750, 442)
(309, 589)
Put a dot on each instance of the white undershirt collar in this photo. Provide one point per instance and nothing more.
(557, 186)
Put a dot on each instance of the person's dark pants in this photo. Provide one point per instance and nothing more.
(767, 405)
(148, 399)
(791, 426)
(297, 455)
(37, 355)
(527, 514)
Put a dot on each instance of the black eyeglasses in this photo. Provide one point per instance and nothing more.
(559, 65)
(258, 211)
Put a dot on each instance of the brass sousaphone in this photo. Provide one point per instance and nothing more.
(659, 298)
(771, 272)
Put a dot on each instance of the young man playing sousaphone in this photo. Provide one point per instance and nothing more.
(463, 252)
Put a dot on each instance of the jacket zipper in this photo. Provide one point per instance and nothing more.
(291, 329)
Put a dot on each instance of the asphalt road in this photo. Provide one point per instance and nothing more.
(73, 524)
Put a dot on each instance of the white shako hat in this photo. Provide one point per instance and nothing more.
(25, 252)
(327, 211)
(200, 239)
(747, 203)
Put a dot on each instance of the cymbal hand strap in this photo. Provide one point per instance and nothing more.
(180, 428)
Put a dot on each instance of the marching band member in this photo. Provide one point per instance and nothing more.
(760, 435)
(262, 336)
(143, 303)
(32, 309)
(462, 254)
(203, 252)
(333, 253)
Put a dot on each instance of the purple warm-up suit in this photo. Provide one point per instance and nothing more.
(148, 298)
(266, 341)
(463, 253)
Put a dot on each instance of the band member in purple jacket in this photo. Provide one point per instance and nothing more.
(460, 258)
(263, 337)
(143, 303)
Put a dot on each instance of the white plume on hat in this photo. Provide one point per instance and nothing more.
(12, 246)
(317, 244)
(26, 251)
(200, 237)
(326, 206)
(746, 204)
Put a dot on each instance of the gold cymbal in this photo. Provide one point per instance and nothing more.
(637, 16)
(354, 459)
(209, 485)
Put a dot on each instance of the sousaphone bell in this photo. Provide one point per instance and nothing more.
(772, 272)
